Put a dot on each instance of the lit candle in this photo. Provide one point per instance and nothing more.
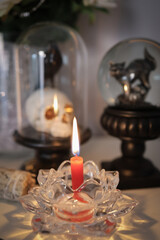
(52, 111)
(55, 105)
(126, 89)
(76, 161)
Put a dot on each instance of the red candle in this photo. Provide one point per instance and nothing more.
(76, 171)
(76, 161)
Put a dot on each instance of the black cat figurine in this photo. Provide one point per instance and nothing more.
(137, 71)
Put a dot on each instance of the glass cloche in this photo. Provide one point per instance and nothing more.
(51, 88)
(129, 73)
(129, 81)
(7, 99)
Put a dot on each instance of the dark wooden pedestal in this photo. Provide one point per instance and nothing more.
(50, 152)
(133, 127)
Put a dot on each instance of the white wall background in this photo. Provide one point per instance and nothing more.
(131, 18)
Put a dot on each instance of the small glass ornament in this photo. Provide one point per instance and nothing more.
(51, 89)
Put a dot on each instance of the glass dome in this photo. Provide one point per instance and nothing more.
(129, 73)
(52, 81)
(8, 120)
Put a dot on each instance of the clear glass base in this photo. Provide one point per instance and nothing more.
(48, 224)
(92, 209)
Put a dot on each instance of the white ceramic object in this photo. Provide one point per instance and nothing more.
(36, 107)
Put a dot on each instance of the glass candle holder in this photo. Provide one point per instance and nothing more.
(91, 209)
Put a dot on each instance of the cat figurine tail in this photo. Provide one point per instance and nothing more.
(150, 59)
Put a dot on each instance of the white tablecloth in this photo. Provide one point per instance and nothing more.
(142, 223)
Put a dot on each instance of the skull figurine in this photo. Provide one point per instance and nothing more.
(43, 116)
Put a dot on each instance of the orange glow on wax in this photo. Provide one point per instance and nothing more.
(76, 161)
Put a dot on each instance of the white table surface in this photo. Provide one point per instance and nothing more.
(142, 223)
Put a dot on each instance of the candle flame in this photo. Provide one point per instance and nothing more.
(55, 104)
(125, 88)
(75, 138)
(42, 54)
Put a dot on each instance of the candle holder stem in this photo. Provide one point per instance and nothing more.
(132, 161)
(132, 164)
